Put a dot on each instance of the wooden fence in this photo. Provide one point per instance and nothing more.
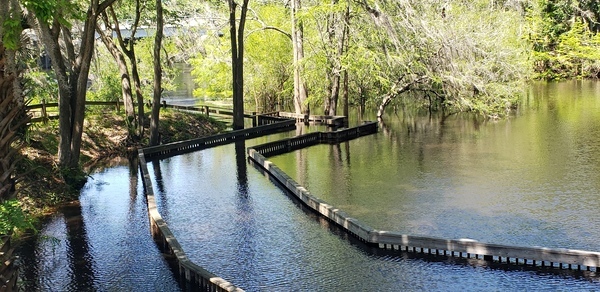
(535, 256)
(41, 112)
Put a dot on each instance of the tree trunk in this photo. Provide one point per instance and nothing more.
(300, 92)
(237, 61)
(346, 42)
(345, 94)
(395, 91)
(130, 53)
(337, 39)
(124, 75)
(334, 93)
(138, 94)
(72, 72)
(154, 118)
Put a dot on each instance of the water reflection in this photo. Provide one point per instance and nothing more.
(103, 243)
(61, 259)
(529, 180)
(80, 260)
(133, 182)
(159, 182)
(241, 167)
(245, 235)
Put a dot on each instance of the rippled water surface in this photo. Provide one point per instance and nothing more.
(103, 244)
(531, 180)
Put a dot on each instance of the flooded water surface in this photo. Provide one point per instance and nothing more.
(530, 180)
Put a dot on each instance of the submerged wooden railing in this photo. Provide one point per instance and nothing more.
(190, 274)
(467, 248)
(302, 141)
(338, 121)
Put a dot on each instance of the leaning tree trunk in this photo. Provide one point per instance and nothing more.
(129, 50)
(396, 90)
(126, 91)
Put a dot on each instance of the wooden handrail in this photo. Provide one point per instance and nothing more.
(204, 109)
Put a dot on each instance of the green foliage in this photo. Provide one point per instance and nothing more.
(61, 10)
(458, 56)
(40, 85)
(267, 61)
(44, 9)
(144, 52)
(11, 32)
(105, 80)
(212, 70)
(269, 55)
(565, 40)
(13, 217)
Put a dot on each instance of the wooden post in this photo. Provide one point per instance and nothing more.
(254, 117)
(44, 112)
(164, 104)
(118, 103)
(206, 110)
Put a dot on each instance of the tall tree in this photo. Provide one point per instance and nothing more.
(300, 92)
(71, 58)
(128, 49)
(126, 91)
(154, 135)
(335, 43)
(237, 61)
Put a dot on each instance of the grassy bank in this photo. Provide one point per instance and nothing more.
(41, 186)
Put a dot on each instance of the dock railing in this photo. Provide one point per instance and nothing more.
(215, 140)
(191, 275)
(464, 248)
(306, 140)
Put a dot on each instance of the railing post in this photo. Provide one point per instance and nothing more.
(206, 109)
(118, 103)
(44, 112)
(254, 118)
(164, 104)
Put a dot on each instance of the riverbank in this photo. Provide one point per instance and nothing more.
(40, 185)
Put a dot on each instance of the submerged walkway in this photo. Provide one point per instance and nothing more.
(195, 276)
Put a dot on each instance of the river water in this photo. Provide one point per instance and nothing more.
(530, 180)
